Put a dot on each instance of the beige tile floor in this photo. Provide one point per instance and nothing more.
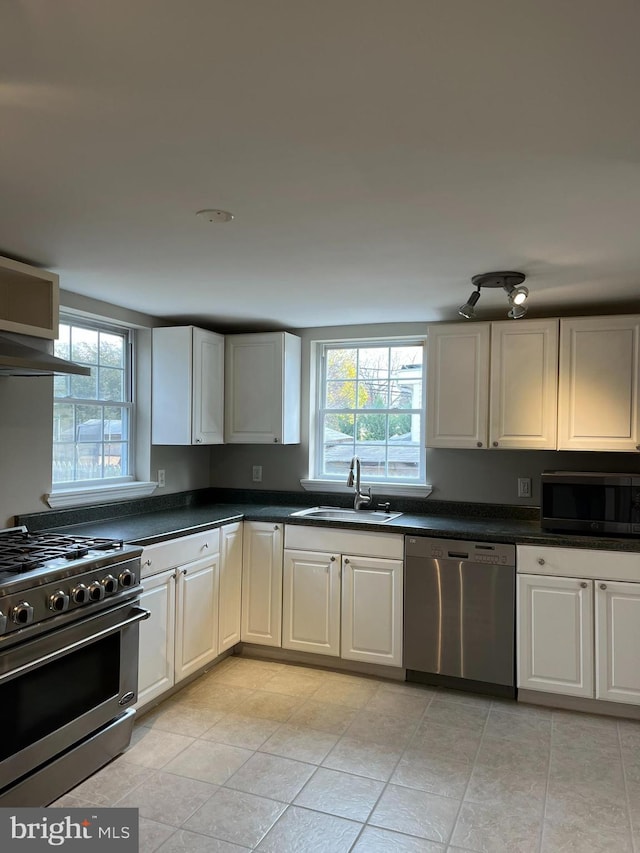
(287, 759)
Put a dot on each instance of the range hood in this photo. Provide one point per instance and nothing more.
(20, 359)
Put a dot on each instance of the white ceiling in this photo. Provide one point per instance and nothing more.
(376, 154)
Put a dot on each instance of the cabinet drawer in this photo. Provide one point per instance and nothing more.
(578, 563)
(360, 542)
(176, 552)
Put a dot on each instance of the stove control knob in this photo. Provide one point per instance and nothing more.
(96, 591)
(3, 622)
(22, 613)
(58, 601)
(80, 594)
(110, 584)
(127, 578)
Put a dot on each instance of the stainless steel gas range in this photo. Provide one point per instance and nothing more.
(69, 622)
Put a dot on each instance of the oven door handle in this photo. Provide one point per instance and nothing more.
(138, 616)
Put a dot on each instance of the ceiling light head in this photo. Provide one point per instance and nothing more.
(213, 215)
(468, 309)
(517, 312)
(518, 295)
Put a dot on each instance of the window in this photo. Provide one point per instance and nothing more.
(370, 404)
(92, 415)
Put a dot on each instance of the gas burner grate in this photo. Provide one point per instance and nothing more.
(21, 551)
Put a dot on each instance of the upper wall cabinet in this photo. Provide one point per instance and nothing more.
(598, 399)
(262, 388)
(493, 385)
(187, 386)
(29, 300)
(458, 385)
(524, 385)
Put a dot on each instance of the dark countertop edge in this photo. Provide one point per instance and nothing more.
(161, 526)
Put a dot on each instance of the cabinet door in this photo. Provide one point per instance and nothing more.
(458, 385)
(262, 388)
(598, 398)
(208, 388)
(262, 584)
(618, 642)
(311, 602)
(156, 662)
(187, 386)
(555, 634)
(230, 586)
(372, 610)
(524, 384)
(196, 615)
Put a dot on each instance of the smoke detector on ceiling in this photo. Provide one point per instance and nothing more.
(213, 215)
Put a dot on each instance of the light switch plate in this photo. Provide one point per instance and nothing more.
(257, 473)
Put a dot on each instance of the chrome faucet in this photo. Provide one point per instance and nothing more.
(360, 499)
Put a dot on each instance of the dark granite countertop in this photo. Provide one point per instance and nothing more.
(149, 527)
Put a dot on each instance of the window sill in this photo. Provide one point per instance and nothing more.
(396, 489)
(88, 495)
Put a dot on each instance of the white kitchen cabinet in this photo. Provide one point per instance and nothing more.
(262, 583)
(196, 615)
(311, 602)
(618, 641)
(493, 385)
(262, 388)
(372, 609)
(578, 622)
(598, 402)
(181, 590)
(458, 385)
(348, 585)
(555, 634)
(157, 637)
(230, 604)
(29, 300)
(523, 389)
(187, 398)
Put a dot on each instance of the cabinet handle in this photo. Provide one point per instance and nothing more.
(276, 527)
(603, 586)
(584, 584)
(637, 446)
(174, 576)
(495, 443)
(184, 571)
(198, 441)
(147, 562)
(206, 545)
(332, 558)
(540, 561)
(346, 559)
(478, 444)
(275, 440)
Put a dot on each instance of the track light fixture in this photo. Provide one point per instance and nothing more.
(510, 282)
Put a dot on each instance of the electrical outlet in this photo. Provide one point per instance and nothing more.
(161, 479)
(257, 473)
(524, 487)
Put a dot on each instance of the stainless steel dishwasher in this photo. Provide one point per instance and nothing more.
(459, 614)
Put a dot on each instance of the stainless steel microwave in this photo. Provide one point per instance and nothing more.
(591, 502)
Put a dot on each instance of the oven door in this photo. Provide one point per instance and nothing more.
(60, 687)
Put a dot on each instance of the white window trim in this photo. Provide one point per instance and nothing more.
(315, 484)
(107, 493)
(407, 490)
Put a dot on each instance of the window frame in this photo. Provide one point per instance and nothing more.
(319, 481)
(75, 493)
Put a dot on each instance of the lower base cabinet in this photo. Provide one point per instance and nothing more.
(579, 634)
(343, 605)
(262, 583)
(192, 603)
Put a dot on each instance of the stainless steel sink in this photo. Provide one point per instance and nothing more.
(357, 516)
